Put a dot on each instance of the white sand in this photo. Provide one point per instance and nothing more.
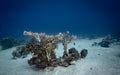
(99, 61)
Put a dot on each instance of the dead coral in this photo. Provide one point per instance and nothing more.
(43, 54)
(65, 41)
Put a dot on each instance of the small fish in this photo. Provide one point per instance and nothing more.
(74, 43)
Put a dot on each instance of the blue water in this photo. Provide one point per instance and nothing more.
(82, 17)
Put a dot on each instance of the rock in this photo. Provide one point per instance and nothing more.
(95, 44)
(107, 41)
(104, 43)
(16, 54)
(74, 54)
(98, 54)
(20, 52)
(8, 43)
(91, 68)
(84, 53)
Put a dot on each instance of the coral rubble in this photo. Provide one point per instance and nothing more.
(107, 41)
(20, 52)
(43, 54)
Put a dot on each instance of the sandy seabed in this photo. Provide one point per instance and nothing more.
(99, 61)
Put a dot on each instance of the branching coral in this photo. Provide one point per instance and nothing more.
(43, 53)
(65, 41)
(42, 36)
